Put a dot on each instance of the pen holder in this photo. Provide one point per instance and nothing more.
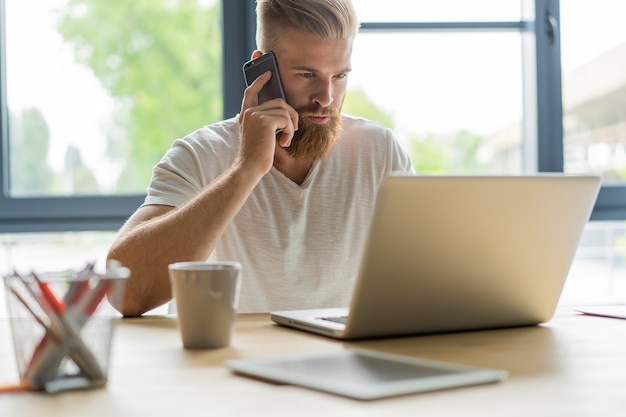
(62, 326)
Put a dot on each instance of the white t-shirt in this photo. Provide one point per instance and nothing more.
(300, 245)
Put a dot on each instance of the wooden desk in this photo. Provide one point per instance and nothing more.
(572, 366)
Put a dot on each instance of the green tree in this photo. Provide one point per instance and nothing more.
(161, 60)
(441, 154)
(79, 178)
(30, 172)
(358, 104)
(427, 155)
(466, 146)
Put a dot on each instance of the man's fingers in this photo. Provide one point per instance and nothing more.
(251, 94)
(275, 115)
(288, 130)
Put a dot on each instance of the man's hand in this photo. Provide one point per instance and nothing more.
(258, 125)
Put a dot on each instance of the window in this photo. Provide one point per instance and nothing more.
(479, 80)
(89, 84)
(594, 87)
(471, 84)
(593, 56)
(454, 106)
(93, 94)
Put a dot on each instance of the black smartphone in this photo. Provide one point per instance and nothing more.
(257, 67)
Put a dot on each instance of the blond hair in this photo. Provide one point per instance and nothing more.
(326, 19)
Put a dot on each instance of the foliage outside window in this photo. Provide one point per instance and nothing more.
(160, 66)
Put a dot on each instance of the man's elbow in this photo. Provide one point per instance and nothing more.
(125, 303)
(126, 307)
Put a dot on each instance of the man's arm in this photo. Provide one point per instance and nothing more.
(158, 235)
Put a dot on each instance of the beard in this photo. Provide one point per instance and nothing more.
(312, 141)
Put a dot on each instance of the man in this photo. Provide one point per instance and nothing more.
(293, 208)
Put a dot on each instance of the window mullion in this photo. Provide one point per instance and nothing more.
(4, 148)
(549, 104)
(238, 34)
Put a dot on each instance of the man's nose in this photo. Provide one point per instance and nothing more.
(323, 93)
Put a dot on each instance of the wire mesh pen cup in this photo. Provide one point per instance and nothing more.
(62, 325)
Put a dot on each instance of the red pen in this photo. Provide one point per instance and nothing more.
(48, 355)
(53, 302)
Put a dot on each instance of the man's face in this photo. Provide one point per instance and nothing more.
(314, 75)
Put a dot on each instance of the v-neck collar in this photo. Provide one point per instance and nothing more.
(307, 181)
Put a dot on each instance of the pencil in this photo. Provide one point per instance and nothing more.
(21, 387)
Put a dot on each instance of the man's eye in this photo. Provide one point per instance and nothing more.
(308, 74)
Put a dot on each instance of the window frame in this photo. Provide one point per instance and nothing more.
(542, 115)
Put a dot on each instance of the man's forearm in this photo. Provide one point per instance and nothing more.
(156, 236)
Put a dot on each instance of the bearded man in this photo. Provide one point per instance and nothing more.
(293, 208)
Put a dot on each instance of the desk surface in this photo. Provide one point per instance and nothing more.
(571, 366)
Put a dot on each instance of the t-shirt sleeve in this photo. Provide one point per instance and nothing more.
(400, 160)
(193, 162)
(177, 177)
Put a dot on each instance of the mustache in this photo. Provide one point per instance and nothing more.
(317, 110)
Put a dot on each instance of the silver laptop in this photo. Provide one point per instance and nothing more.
(461, 253)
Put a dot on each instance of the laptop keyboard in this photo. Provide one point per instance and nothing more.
(336, 319)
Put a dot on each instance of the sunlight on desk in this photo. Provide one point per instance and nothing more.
(571, 366)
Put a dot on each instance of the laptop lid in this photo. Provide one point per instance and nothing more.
(463, 253)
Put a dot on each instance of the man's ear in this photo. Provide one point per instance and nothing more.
(256, 54)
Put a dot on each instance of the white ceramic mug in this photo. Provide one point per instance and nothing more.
(207, 295)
